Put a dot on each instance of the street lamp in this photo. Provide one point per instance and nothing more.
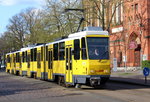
(141, 55)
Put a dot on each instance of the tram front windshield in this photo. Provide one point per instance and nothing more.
(98, 48)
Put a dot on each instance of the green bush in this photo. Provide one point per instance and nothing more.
(146, 63)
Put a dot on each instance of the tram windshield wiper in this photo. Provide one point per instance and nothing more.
(102, 55)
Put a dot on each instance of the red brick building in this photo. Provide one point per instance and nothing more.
(129, 31)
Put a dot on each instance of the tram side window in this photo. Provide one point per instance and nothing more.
(26, 55)
(8, 59)
(32, 55)
(56, 51)
(17, 57)
(23, 56)
(42, 53)
(77, 49)
(61, 51)
(35, 54)
(28, 59)
(38, 60)
(84, 54)
(46, 53)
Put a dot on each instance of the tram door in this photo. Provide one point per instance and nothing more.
(50, 64)
(68, 64)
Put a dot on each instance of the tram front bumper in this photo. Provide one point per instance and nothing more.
(95, 81)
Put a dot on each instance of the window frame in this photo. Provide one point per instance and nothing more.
(77, 49)
(62, 51)
(83, 48)
(55, 52)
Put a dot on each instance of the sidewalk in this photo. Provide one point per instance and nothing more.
(130, 76)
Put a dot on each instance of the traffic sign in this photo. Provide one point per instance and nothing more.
(146, 71)
(115, 64)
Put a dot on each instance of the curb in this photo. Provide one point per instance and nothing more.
(127, 82)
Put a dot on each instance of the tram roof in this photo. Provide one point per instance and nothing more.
(79, 35)
(9, 53)
(85, 33)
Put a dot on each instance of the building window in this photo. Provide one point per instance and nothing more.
(136, 8)
(132, 7)
(118, 14)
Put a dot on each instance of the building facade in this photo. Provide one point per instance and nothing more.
(128, 22)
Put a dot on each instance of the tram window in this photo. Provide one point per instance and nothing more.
(49, 59)
(20, 61)
(28, 60)
(46, 53)
(98, 47)
(77, 49)
(38, 60)
(23, 57)
(35, 54)
(70, 58)
(41, 53)
(8, 59)
(14, 59)
(61, 51)
(84, 54)
(56, 51)
(26, 56)
(31, 54)
(17, 57)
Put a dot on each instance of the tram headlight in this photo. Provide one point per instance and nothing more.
(106, 71)
(92, 71)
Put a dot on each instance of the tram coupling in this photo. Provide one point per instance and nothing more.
(94, 81)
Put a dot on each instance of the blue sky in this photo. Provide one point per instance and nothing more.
(9, 8)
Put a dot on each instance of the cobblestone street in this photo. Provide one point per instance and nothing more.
(22, 89)
(18, 89)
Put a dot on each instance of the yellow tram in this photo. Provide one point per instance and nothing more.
(81, 58)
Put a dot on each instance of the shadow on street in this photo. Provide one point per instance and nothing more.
(11, 84)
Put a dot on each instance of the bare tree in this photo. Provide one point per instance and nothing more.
(8, 43)
(102, 10)
(62, 23)
(33, 19)
(17, 28)
(32, 26)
